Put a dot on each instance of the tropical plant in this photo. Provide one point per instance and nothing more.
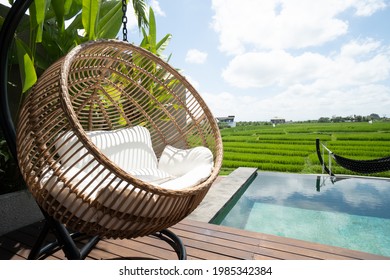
(149, 41)
(161, 93)
(56, 26)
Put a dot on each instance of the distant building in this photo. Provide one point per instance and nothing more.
(229, 120)
(277, 120)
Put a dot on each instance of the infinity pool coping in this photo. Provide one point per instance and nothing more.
(221, 193)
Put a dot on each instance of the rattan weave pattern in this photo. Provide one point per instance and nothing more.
(100, 86)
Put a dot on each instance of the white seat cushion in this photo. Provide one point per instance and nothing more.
(87, 191)
(116, 194)
(151, 175)
(130, 149)
(189, 179)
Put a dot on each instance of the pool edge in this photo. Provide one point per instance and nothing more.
(221, 194)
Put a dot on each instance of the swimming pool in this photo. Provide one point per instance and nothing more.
(352, 212)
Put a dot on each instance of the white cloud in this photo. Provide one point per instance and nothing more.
(224, 104)
(356, 48)
(196, 56)
(132, 23)
(355, 64)
(368, 7)
(156, 8)
(353, 80)
(310, 102)
(301, 102)
(283, 24)
(274, 48)
(262, 69)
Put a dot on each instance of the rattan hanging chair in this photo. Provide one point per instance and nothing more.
(114, 142)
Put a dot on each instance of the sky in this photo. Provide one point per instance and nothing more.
(292, 59)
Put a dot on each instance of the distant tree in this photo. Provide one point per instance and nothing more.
(323, 120)
(375, 116)
(337, 119)
(358, 118)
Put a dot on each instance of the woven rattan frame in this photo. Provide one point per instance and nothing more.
(106, 85)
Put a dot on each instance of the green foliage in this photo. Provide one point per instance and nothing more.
(149, 41)
(51, 38)
(139, 7)
(90, 15)
(27, 72)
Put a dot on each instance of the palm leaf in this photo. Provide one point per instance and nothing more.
(139, 7)
(26, 66)
(109, 25)
(90, 15)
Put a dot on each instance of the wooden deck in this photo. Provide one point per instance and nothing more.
(202, 240)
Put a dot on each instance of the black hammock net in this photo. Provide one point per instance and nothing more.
(359, 166)
(364, 166)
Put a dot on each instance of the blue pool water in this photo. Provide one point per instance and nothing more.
(351, 213)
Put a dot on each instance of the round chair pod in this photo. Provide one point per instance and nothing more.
(114, 142)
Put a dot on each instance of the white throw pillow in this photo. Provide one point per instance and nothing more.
(178, 162)
(71, 152)
(129, 148)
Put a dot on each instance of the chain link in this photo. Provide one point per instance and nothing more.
(124, 20)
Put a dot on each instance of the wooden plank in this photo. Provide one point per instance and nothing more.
(276, 243)
(258, 246)
(142, 248)
(290, 245)
(243, 248)
(248, 243)
(210, 247)
(202, 241)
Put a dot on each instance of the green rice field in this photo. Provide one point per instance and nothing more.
(291, 147)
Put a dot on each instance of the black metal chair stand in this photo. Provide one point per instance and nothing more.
(67, 241)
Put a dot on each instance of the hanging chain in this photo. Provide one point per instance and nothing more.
(124, 20)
